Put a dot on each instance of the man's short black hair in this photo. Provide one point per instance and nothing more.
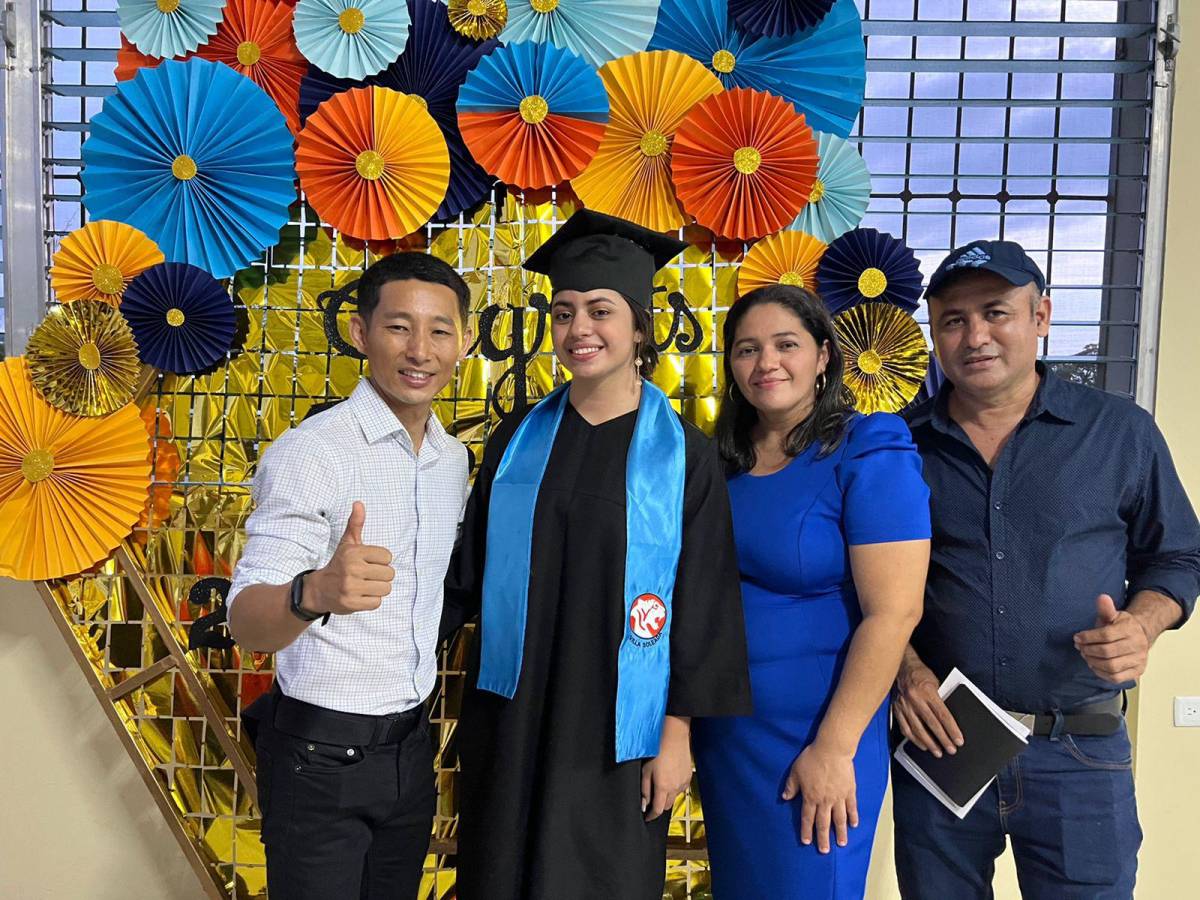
(412, 266)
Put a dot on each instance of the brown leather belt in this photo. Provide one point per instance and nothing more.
(1093, 720)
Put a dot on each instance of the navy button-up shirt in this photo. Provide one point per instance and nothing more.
(1083, 500)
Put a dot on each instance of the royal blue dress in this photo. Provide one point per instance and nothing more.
(792, 529)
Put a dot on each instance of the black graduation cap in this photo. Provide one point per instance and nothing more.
(593, 250)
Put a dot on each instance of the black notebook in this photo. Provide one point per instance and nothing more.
(991, 738)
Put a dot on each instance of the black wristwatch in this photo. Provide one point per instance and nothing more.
(297, 595)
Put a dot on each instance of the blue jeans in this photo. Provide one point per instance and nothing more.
(1066, 804)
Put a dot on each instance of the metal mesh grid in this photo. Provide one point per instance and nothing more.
(974, 126)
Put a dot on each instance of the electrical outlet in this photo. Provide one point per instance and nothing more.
(1187, 712)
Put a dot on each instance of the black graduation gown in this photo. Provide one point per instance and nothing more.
(545, 813)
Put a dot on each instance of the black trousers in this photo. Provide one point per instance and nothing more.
(344, 821)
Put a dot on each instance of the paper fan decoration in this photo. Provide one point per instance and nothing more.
(532, 114)
(630, 176)
(478, 19)
(821, 71)
(351, 38)
(432, 68)
(840, 194)
(83, 359)
(317, 86)
(181, 316)
(373, 163)
(97, 261)
(886, 356)
(256, 39)
(778, 18)
(866, 264)
(130, 59)
(198, 158)
(169, 27)
(70, 488)
(744, 163)
(789, 257)
(597, 30)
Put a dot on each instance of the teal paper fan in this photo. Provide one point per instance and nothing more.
(597, 30)
(351, 38)
(169, 27)
(840, 194)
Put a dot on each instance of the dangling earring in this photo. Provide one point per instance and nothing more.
(637, 364)
(729, 392)
(820, 385)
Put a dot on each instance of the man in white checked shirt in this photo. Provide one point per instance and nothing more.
(355, 517)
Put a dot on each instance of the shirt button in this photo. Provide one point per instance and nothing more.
(997, 505)
(999, 554)
(1002, 610)
(1004, 660)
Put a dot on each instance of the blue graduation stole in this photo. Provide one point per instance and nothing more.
(654, 483)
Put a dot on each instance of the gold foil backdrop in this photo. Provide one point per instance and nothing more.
(178, 709)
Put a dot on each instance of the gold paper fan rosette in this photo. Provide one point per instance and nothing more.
(70, 488)
(787, 257)
(478, 19)
(886, 356)
(83, 358)
(97, 261)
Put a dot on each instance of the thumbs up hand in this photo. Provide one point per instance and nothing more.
(358, 576)
(1117, 648)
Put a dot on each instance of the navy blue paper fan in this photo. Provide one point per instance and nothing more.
(865, 264)
(181, 317)
(433, 66)
(778, 18)
(317, 86)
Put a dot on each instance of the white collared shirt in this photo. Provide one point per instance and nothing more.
(383, 660)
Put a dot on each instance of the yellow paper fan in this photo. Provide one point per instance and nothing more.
(886, 356)
(787, 257)
(97, 261)
(649, 94)
(83, 358)
(478, 19)
(70, 488)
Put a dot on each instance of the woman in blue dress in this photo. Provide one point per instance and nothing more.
(831, 520)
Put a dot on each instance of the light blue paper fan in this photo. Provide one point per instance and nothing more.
(176, 28)
(844, 192)
(821, 71)
(597, 30)
(198, 157)
(351, 38)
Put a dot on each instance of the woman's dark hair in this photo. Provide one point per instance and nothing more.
(834, 403)
(405, 267)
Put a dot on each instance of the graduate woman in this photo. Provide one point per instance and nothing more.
(597, 550)
(831, 517)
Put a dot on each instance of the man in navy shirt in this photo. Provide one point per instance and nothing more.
(1063, 546)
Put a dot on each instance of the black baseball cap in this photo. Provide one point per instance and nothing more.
(593, 250)
(1006, 258)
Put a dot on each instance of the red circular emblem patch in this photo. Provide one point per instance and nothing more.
(648, 616)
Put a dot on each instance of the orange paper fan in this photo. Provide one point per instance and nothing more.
(71, 488)
(130, 59)
(788, 257)
(256, 39)
(744, 163)
(373, 163)
(649, 94)
(97, 261)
